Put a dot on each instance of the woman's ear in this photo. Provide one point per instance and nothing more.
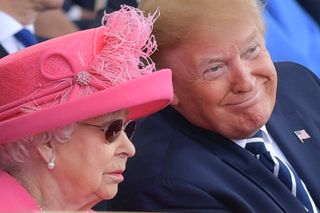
(47, 153)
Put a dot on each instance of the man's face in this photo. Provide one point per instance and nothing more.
(224, 78)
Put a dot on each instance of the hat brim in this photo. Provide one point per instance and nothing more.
(141, 97)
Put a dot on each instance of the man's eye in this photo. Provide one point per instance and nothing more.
(252, 52)
(253, 49)
(214, 71)
(215, 68)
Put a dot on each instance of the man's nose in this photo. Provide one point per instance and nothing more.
(241, 77)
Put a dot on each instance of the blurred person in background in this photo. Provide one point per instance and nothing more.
(17, 19)
(84, 12)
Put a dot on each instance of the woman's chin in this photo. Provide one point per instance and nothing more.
(108, 192)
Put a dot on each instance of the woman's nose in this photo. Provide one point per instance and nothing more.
(126, 147)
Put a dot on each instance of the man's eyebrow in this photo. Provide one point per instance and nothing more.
(251, 36)
(219, 58)
(205, 61)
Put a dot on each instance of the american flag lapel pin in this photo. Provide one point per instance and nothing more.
(302, 135)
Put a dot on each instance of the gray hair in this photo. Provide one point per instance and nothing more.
(16, 153)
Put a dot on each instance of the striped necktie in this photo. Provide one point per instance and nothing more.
(26, 37)
(281, 170)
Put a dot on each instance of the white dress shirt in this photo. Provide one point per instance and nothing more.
(270, 144)
(9, 27)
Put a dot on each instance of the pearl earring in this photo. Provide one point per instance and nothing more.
(51, 163)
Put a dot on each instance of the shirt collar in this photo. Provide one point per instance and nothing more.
(10, 26)
(265, 135)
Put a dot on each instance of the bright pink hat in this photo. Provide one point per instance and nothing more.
(83, 75)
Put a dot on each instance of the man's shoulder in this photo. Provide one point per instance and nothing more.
(292, 69)
(167, 145)
(298, 90)
(294, 77)
(159, 136)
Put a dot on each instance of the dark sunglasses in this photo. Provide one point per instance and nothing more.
(113, 129)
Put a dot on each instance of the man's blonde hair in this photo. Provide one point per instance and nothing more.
(180, 18)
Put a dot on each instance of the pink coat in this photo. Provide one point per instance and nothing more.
(14, 197)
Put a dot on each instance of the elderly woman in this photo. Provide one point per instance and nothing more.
(66, 111)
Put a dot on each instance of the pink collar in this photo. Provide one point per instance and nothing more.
(14, 197)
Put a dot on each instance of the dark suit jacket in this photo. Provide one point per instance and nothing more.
(3, 52)
(180, 167)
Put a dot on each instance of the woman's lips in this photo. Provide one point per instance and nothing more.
(116, 175)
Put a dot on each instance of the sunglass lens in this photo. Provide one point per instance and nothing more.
(129, 129)
(113, 131)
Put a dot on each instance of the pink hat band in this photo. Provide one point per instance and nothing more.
(83, 75)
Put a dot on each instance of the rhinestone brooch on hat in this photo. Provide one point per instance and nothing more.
(82, 78)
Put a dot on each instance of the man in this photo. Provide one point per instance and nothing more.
(195, 156)
(16, 15)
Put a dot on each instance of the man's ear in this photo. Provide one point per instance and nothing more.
(175, 100)
(46, 151)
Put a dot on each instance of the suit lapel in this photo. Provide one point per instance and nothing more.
(247, 165)
(304, 157)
